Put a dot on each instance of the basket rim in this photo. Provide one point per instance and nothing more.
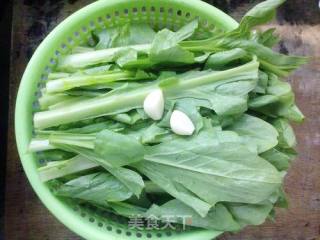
(23, 114)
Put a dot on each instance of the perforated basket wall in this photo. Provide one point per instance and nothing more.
(86, 221)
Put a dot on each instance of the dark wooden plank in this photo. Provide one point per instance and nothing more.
(5, 41)
(26, 218)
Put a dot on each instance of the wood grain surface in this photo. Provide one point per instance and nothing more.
(27, 219)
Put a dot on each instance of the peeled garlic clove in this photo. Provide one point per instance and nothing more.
(181, 124)
(153, 104)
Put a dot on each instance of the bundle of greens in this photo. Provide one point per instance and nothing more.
(100, 147)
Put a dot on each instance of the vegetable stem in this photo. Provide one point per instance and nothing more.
(64, 84)
(125, 101)
(82, 60)
(59, 169)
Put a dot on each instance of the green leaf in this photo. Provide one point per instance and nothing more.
(165, 48)
(260, 14)
(153, 134)
(219, 218)
(270, 61)
(268, 38)
(54, 155)
(128, 177)
(255, 131)
(97, 127)
(279, 101)
(280, 158)
(199, 163)
(219, 60)
(250, 214)
(126, 209)
(97, 187)
(63, 168)
(262, 83)
(119, 149)
(173, 188)
(126, 56)
(286, 138)
(282, 201)
(225, 97)
(128, 34)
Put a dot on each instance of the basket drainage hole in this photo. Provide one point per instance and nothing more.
(139, 235)
(159, 235)
(109, 228)
(118, 231)
(42, 161)
(149, 235)
(128, 233)
(52, 61)
(179, 12)
(70, 40)
(91, 220)
(83, 214)
(100, 224)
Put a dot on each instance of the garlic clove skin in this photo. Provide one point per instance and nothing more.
(153, 104)
(181, 124)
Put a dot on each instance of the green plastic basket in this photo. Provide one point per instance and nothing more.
(88, 222)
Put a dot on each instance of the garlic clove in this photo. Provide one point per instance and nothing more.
(153, 104)
(181, 124)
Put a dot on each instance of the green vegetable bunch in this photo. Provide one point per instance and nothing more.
(101, 147)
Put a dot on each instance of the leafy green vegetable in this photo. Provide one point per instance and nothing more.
(268, 37)
(250, 214)
(261, 13)
(174, 188)
(119, 149)
(99, 188)
(59, 169)
(280, 158)
(204, 158)
(219, 218)
(98, 146)
(165, 47)
(286, 138)
(127, 99)
(128, 177)
(126, 209)
(221, 59)
(255, 131)
(63, 84)
(129, 34)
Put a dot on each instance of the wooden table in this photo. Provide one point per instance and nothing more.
(27, 219)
